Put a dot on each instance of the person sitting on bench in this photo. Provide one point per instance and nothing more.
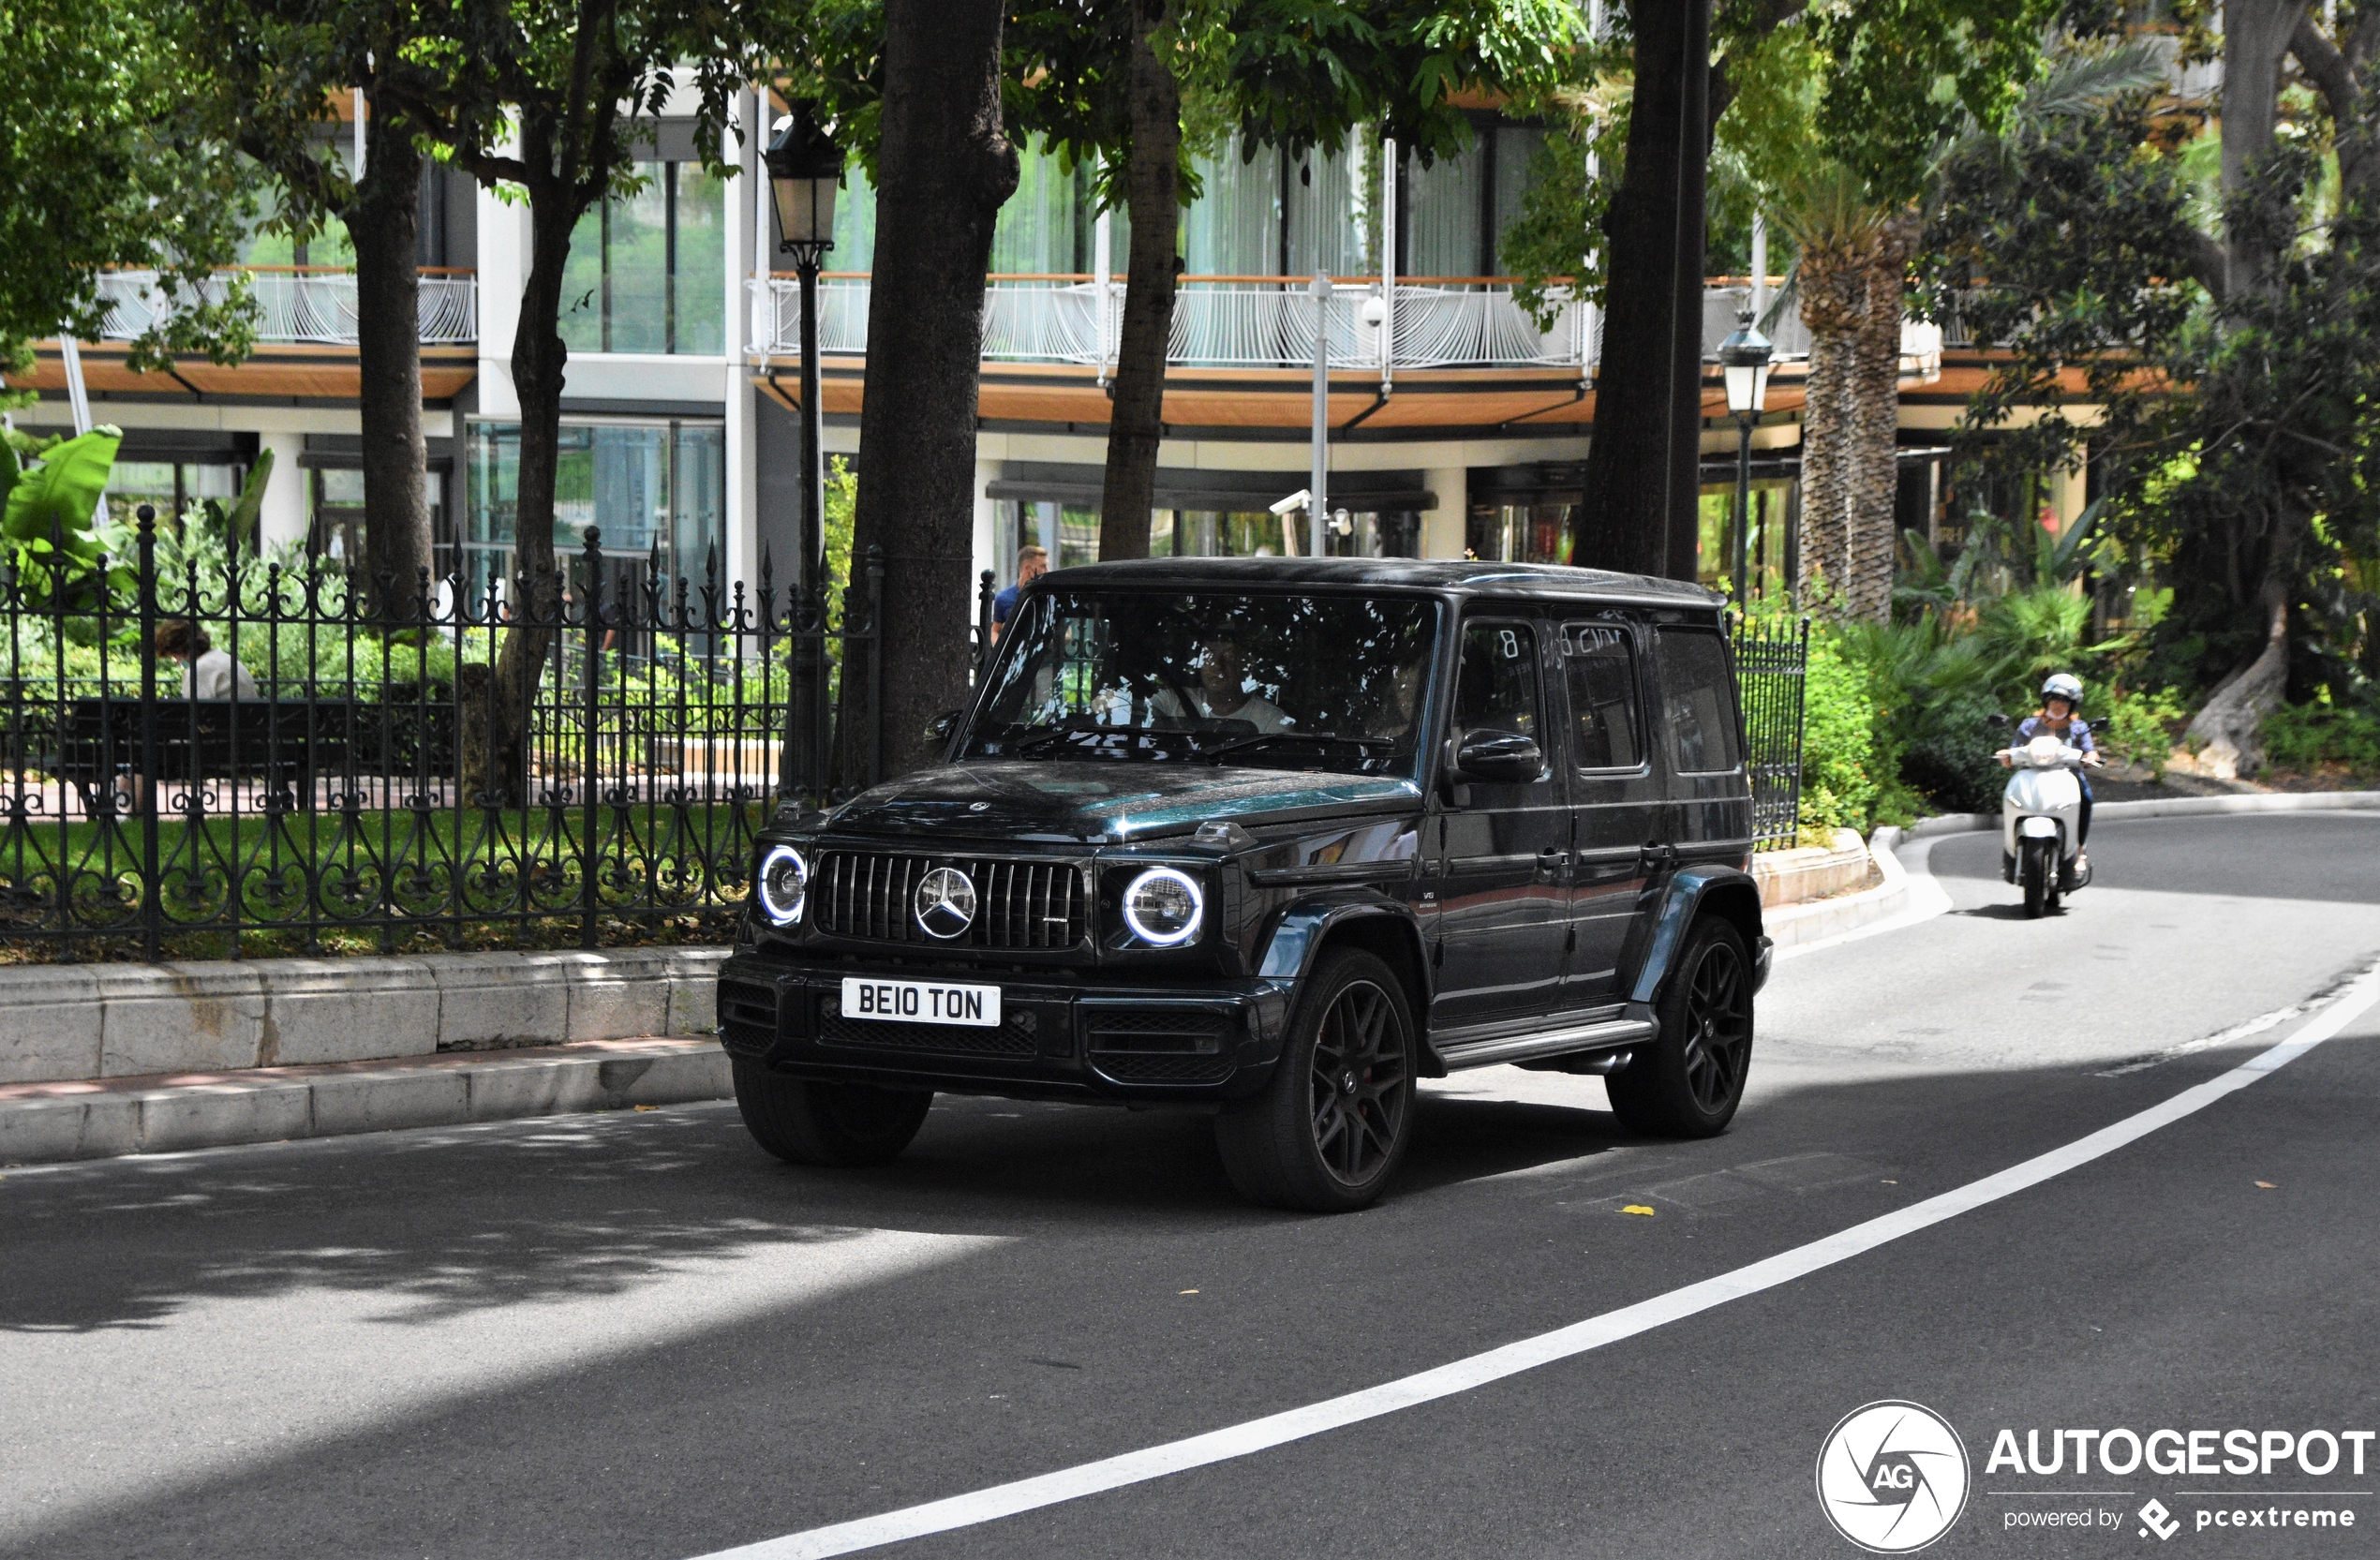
(208, 673)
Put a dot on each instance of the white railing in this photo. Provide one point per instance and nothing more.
(295, 307)
(1215, 324)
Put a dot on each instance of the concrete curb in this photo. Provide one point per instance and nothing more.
(1793, 926)
(63, 1021)
(46, 1123)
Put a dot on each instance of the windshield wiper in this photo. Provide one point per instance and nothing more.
(1262, 739)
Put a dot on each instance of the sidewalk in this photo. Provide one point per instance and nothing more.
(168, 1112)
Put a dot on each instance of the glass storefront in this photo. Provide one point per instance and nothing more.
(1070, 534)
(1768, 537)
(656, 492)
(334, 528)
(1519, 533)
(168, 486)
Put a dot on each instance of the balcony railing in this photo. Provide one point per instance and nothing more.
(1252, 322)
(310, 306)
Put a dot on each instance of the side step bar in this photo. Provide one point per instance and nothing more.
(1560, 1042)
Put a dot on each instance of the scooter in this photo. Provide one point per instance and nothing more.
(2039, 815)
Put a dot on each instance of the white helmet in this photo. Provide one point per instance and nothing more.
(2065, 686)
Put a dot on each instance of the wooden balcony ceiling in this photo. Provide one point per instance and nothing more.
(281, 371)
(1244, 399)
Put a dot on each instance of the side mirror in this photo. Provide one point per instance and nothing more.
(940, 727)
(1997, 720)
(1500, 757)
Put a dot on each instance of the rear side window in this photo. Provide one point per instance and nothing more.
(1497, 688)
(1698, 701)
(1606, 725)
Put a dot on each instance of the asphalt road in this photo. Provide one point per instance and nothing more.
(633, 1335)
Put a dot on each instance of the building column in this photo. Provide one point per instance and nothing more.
(743, 467)
(986, 546)
(1443, 528)
(282, 517)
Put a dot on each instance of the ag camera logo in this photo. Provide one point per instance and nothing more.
(1892, 1476)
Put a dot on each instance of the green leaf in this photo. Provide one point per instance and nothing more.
(57, 497)
(240, 522)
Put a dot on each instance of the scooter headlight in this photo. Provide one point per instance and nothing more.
(2043, 751)
(1163, 906)
(783, 885)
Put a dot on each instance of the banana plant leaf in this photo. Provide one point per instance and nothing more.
(51, 505)
(239, 522)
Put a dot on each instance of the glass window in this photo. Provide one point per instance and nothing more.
(1604, 718)
(1039, 226)
(1698, 701)
(646, 488)
(1235, 227)
(1442, 233)
(1290, 681)
(646, 268)
(1497, 690)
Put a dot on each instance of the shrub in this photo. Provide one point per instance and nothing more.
(1840, 768)
(2304, 737)
(2136, 727)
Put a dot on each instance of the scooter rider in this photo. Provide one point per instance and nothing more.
(2061, 716)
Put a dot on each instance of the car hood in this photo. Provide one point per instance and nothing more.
(1103, 803)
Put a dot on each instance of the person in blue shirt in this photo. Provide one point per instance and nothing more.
(2061, 716)
(1032, 563)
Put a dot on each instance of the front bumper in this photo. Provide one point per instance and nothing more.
(1057, 1039)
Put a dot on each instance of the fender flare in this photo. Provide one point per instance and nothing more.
(1299, 937)
(1728, 891)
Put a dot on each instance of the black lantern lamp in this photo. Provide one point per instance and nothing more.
(805, 167)
(1743, 359)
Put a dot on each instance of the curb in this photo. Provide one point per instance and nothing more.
(171, 1113)
(1795, 926)
(70, 1021)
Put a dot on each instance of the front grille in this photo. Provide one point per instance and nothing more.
(1009, 1039)
(1140, 1068)
(1018, 904)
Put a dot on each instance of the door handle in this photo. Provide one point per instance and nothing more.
(1552, 859)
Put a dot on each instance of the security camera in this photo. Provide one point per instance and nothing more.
(1376, 311)
(1295, 501)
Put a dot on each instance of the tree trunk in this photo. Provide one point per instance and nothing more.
(1873, 468)
(2228, 726)
(1827, 418)
(534, 596)
(1136, 421)
(385, 221)
(1642, 467)
(2256, 35)
(943, 167)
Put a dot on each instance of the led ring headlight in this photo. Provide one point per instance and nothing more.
(1163, 906)
(784, 880)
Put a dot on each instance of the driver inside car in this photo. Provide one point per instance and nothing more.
(1224, 692)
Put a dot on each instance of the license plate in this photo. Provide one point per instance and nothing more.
(921, 1001)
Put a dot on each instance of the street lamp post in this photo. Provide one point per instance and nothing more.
(805, 166)
(1318, 505)
(1744, 361)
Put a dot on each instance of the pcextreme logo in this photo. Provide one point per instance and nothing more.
(1892, 1476)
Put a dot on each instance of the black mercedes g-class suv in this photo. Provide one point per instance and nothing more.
(1276, 838)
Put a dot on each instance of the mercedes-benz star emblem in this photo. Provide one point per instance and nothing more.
(945, 902)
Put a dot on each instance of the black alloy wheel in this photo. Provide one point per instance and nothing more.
(1334, 1121)
(1690, 1082)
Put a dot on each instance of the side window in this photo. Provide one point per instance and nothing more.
(1698, 701)
(1497, 688)
(1607, 726)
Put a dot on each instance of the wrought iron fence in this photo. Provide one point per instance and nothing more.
(1772, 666)
(385, 777)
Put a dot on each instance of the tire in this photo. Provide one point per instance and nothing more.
(1690, 1082)
(1332, 1125)
(840, 1124)
(2034, 870)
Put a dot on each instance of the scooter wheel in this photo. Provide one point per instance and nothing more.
(2034, 870)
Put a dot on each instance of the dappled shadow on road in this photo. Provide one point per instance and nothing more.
(442, 1222)
(1035, 1354)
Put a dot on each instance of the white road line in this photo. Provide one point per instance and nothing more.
(1479, 1370)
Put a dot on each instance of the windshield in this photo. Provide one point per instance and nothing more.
(1302, 682)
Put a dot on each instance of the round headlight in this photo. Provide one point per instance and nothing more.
(1163, 906)
(784, 879)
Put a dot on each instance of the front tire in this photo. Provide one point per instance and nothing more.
(843, 1126)
(1332, 1125)
(2035, 870)
(1690, 1081)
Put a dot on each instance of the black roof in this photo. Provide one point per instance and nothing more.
(1468, 575)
